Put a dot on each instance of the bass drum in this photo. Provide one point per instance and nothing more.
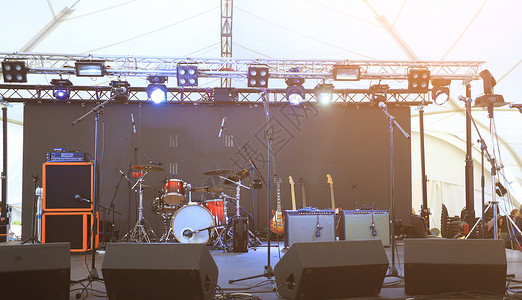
(188, 220)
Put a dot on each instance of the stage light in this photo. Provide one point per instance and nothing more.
(379, 93)
(418, 79)
(440, 91)
(324, 93)
(295, 92)
(120, 91)
(489, 82)
(346, 73)
(61, 88)
(187, 75)
(490, 101)
(90, 68)
(258, 76)
(14, 71)
(156, 90)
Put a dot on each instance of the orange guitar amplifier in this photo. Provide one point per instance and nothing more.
(72, 227)
(67, 186)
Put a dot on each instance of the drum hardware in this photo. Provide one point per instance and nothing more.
(218, 172)
(208, 189)
(147, 168)
(139, 232)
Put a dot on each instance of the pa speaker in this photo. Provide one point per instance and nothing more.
(39, 271)
(159, 271)
(435, 266)
(63, 182)
(326, 270)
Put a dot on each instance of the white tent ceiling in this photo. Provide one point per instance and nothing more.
(461, 30)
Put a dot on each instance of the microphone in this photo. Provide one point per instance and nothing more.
(123, 174)
(515, 105)
(382, 105)
(222, 125)
(133, 124)
(78, 197)
(465, 99)
(374, 231)
(188, 233)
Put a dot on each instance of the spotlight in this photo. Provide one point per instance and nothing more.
(61, 88)
(379, 93)
(258, 76)
(346, 73)
(295, 92)
(156, 90)
(489, 82)
(14, 71)
(490, 101)
(90, 68)
(187, 75)
(324, 93)
(120, 91)
(440, 91)
(418, 79)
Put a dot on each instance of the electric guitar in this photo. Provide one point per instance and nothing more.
(292, 189)
(330, 182)
(277, 223)
(303, 194)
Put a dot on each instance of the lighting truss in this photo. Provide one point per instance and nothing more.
(248, 96)
(225, 67)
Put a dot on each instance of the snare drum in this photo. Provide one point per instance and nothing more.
(217, 209)
(174, 192)
(191, 224)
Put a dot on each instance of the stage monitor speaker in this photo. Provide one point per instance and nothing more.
(35, 271)
(159, 271)
(436, 266)
(309, 226)
(365, 225)
(63, 183)
(72, 227)
(330, 270)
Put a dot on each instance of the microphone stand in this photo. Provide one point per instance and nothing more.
(93, 273)
(393, 122)
(34, 238)
(268, 272)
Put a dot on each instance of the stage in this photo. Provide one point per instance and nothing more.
(240, 265)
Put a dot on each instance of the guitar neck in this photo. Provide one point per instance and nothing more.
(278, 188)
(292, 189)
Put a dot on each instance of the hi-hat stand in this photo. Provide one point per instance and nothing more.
(139, 233)
(393, 122)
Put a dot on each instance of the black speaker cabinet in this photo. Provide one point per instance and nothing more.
(159, 271)
(240, 236)
(365, 225)
(72, 227)
(62, 182)
(435, 266)
(330, 270)
(309, 226)
(39, 271)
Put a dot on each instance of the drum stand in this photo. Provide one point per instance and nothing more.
(139, 232)
(168, 232)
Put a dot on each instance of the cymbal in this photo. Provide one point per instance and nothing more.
(218, 172)
(147, 168)
(146, 186)
(238, 176)
(207, 189)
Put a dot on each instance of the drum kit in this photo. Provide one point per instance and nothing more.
(187, 221)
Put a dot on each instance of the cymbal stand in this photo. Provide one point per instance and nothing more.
(139, 232)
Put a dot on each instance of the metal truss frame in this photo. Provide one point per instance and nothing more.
(82, 94)
(228, 68)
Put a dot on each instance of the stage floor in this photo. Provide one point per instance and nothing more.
(240, 265)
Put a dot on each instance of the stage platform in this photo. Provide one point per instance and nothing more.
(240, 265)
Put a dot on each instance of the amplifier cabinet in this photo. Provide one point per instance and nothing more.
(72, 227)
(365, 225)
(309, 226)
(64, 184)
